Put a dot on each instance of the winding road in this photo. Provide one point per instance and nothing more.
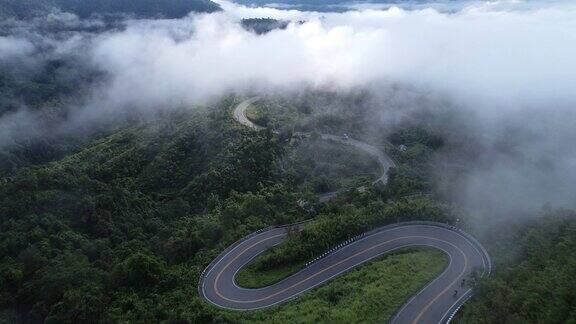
(240, 113)
(435, 303)
(384, 160)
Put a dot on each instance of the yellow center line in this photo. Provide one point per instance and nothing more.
(234, 259)
(447, 287)
(313, 275)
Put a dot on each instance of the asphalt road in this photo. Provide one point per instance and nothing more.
(384, 160)
(240, 113)
(435, 303)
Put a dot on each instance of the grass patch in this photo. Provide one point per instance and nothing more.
(253, 275)
(370, 293)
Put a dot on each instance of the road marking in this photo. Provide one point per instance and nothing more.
(237, 256)
(425, 287)
(240, 115)
(315, 274)
(466, 295)
(447, 287)
(236, 245)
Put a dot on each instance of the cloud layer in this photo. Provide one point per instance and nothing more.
(509, 63)
(508, 56)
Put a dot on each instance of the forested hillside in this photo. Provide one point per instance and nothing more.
(263, 25)
(534, 273)
(23, 9)
(110, 225)
(124, 174)
(121, 229)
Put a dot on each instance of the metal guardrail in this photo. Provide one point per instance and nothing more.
(457, 306)
(451, 312)
(473, 240)
(387, 227)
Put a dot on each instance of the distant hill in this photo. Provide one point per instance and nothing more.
(263, 25)
(25, 9)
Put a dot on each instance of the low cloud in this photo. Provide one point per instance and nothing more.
(483, 53)
(510, 64)
(12, 48)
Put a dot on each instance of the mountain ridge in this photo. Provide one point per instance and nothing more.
(27, 9)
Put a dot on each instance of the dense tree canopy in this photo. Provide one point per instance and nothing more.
(120, 228)
(533, 279)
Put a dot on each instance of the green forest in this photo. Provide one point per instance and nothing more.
(121, 229)
(113, 221)
(533, 279)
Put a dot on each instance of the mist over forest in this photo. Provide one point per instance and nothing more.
(513, 85)
(117, 149)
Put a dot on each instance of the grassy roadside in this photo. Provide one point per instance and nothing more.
(253, 275)
(371, 293)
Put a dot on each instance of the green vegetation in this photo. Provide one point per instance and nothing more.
(120, 230)
(318, 166)
(135, 217)
(534, 273)
(323, 166)
(276, 114)
(257, 275)
(337, 222)
(114, 224)
(42, 92)
(370, 293)
(263, 25)
(313, 164)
